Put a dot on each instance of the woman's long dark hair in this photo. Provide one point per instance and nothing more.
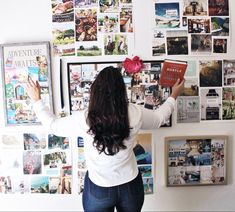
(108, 111)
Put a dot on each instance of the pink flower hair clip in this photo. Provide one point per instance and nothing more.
(133, 66)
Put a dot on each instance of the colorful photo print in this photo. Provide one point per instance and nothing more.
(199, 25)
(115, 44)
(167, 15)
(228, 102)
(195, 8)
(63, 39)
(190, 87)
(62, 10)
(177, 42)
(184, 21)
(188, 109)
(81, 177)
(40, 184)
(145, 170)
(219, 45)
(34, 141)
(148, 185)
(54, 185)
(210, 73)
(143, 149)
(55, 160)
(195, 160)
(201, 44)
(57, 142)
(109, 6)
(13, 141)
(211, 102)
(86, 24)
(126, 20)
(32, 163)
(229, 72)
(108, 23)
(219, 26)
(85, 3)
(218, 8)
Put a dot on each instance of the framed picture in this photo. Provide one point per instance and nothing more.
(19, 62)
(142, 88)
(196, 160)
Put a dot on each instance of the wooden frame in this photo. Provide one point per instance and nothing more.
(81, 75)
(196, 160)
(19, 61)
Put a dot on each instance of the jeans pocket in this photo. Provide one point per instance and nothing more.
(98, 192)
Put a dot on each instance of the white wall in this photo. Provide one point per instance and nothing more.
(30, 20)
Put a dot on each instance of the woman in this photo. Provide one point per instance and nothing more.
(109, 128)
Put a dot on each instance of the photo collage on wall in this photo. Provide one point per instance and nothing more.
(21, 61)
(196, 161)
(142, 88)
(35, 163)
(191, 27)
(92, 27)
(209, 92)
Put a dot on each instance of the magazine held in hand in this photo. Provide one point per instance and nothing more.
(171, 71)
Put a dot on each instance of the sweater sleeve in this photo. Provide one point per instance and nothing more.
(152, 119)
(65, 126)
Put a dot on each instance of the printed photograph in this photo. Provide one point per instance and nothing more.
(63, 39)
(219, 26)
(143, 149)
(91, 48)
(228, 103)
(86, 24)
(109, 6)
(126, 20)
(125, 1)
(32, 162)
(167, 15)
(199, 25)
(54, 160)
(210, 72)
(108, 23)
(229, 72)
(85, 3)
(218, 7)
(188, 109)
(177, 42)
(145, 170)
(62, 10)
(219, 45)
(6, 185)
(201, 44)
(148, 185)
(115, 44)
(195, 8)
(34, 141)
(21, 185)
(158, 43)
(190, 87)
(55, 142)
(211, 103)
(40, 184)
(191, 70)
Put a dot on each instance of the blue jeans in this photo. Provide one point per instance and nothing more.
(128, 197)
